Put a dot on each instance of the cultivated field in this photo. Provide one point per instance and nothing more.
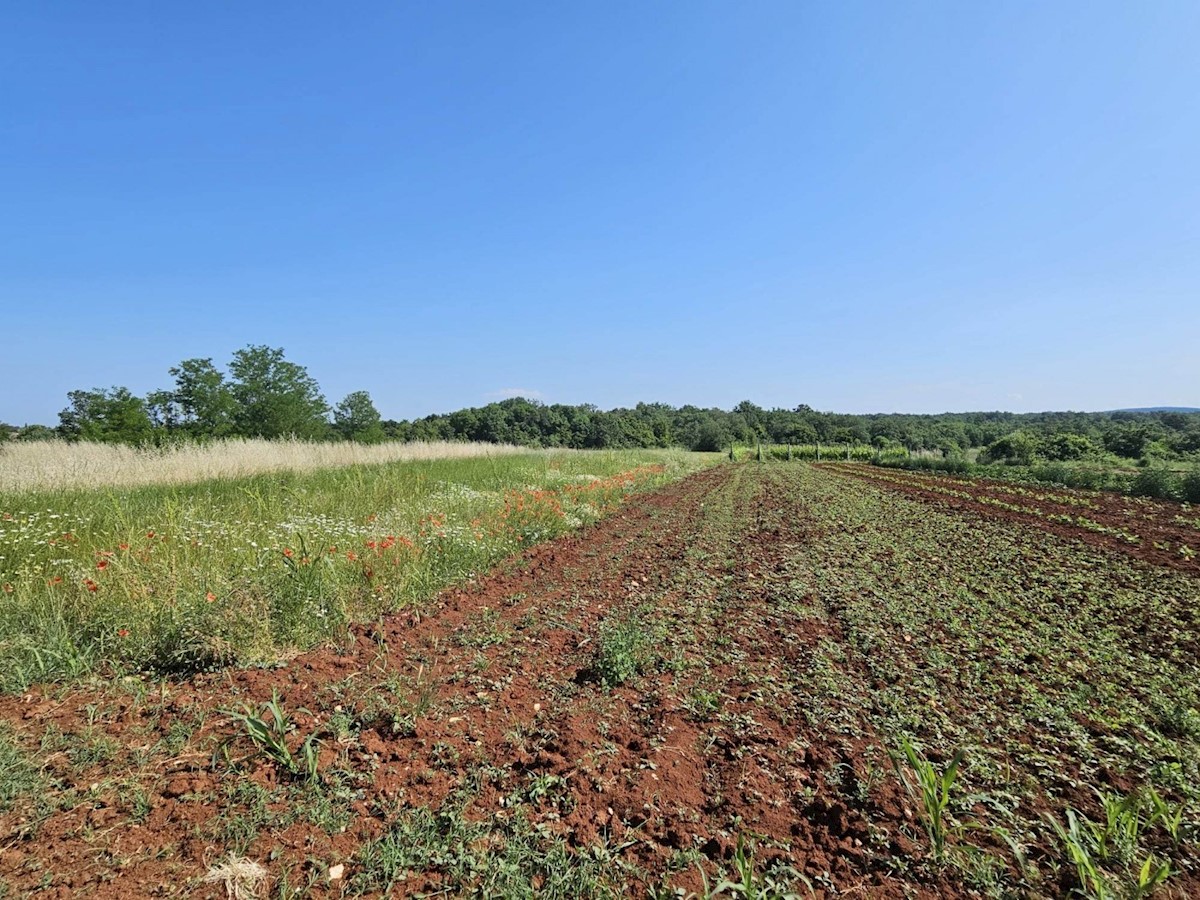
(821, 681)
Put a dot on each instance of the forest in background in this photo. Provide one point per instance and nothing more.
(262, 394)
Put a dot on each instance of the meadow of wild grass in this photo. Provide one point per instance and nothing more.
(186, 570)
(61, 465)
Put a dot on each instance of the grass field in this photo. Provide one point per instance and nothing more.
(181, 576)
(762, 680)
(60, 465)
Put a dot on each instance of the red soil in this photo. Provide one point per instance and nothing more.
(642, 772)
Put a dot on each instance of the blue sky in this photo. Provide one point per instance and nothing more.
(859, 206)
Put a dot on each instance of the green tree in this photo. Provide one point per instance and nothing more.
(110, 416)
(37, 433)
(1128, 440)
(274, 397)
(357, 419)
(202, 402)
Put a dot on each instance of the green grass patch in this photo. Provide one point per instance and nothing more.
(20, 778)
(179, 578)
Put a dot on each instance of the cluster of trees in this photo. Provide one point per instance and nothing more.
(1148, 437)
(263, 394)
(1011, 436)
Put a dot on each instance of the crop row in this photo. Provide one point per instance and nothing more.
(1130, 528)
(1058, 670)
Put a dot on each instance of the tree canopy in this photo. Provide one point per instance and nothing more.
(263, 394)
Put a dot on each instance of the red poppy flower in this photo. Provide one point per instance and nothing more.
(91, 585)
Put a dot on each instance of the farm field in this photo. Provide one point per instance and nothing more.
(756, 672)
(1157, 531)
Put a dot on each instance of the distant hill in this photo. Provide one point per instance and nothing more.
(1157, 409)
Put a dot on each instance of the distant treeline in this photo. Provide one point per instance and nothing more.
(262, 394)
(1007, 437)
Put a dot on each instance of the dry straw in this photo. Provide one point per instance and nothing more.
(57, 465)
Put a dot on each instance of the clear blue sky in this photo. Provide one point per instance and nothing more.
(859, 206)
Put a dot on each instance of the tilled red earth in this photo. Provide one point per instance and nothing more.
(488, 703)
(1150, 530)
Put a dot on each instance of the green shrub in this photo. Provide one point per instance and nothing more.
(1155, 481)
(1189, 486)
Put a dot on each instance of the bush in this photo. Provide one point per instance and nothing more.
(1066, 446)
(1154, 481)
(1017, 449)
(1190, 486)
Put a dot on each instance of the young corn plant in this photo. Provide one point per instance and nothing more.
(1169, 818)
(1097, 848)
(269, 732)
(752, 885)
(931, 789)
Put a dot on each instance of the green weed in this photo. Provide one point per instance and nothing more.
(622, 650)
(269, 732)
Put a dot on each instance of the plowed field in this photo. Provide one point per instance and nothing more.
(712, 682)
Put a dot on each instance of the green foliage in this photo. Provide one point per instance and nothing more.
(269, 396)
(622, 650)
(931, 789)
(504, 856)
(1151, 481)
(1066, 446)
(1016, 449)
(37, 433)
(753, 885)
(201, 403)
(1189, 486)
(275, 397)
(1129, 439)
(1109, 858)
(1157, 482)
(20, 778)
(269, 732)
(110, 416)
(357, 419)
(180, 578)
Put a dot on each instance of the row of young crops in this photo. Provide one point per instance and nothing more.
(1156, 480)
(1168, 533)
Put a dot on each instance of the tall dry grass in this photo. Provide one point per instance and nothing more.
(58, 465)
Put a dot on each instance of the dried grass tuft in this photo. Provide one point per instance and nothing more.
(59, 465)
(242, 877)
